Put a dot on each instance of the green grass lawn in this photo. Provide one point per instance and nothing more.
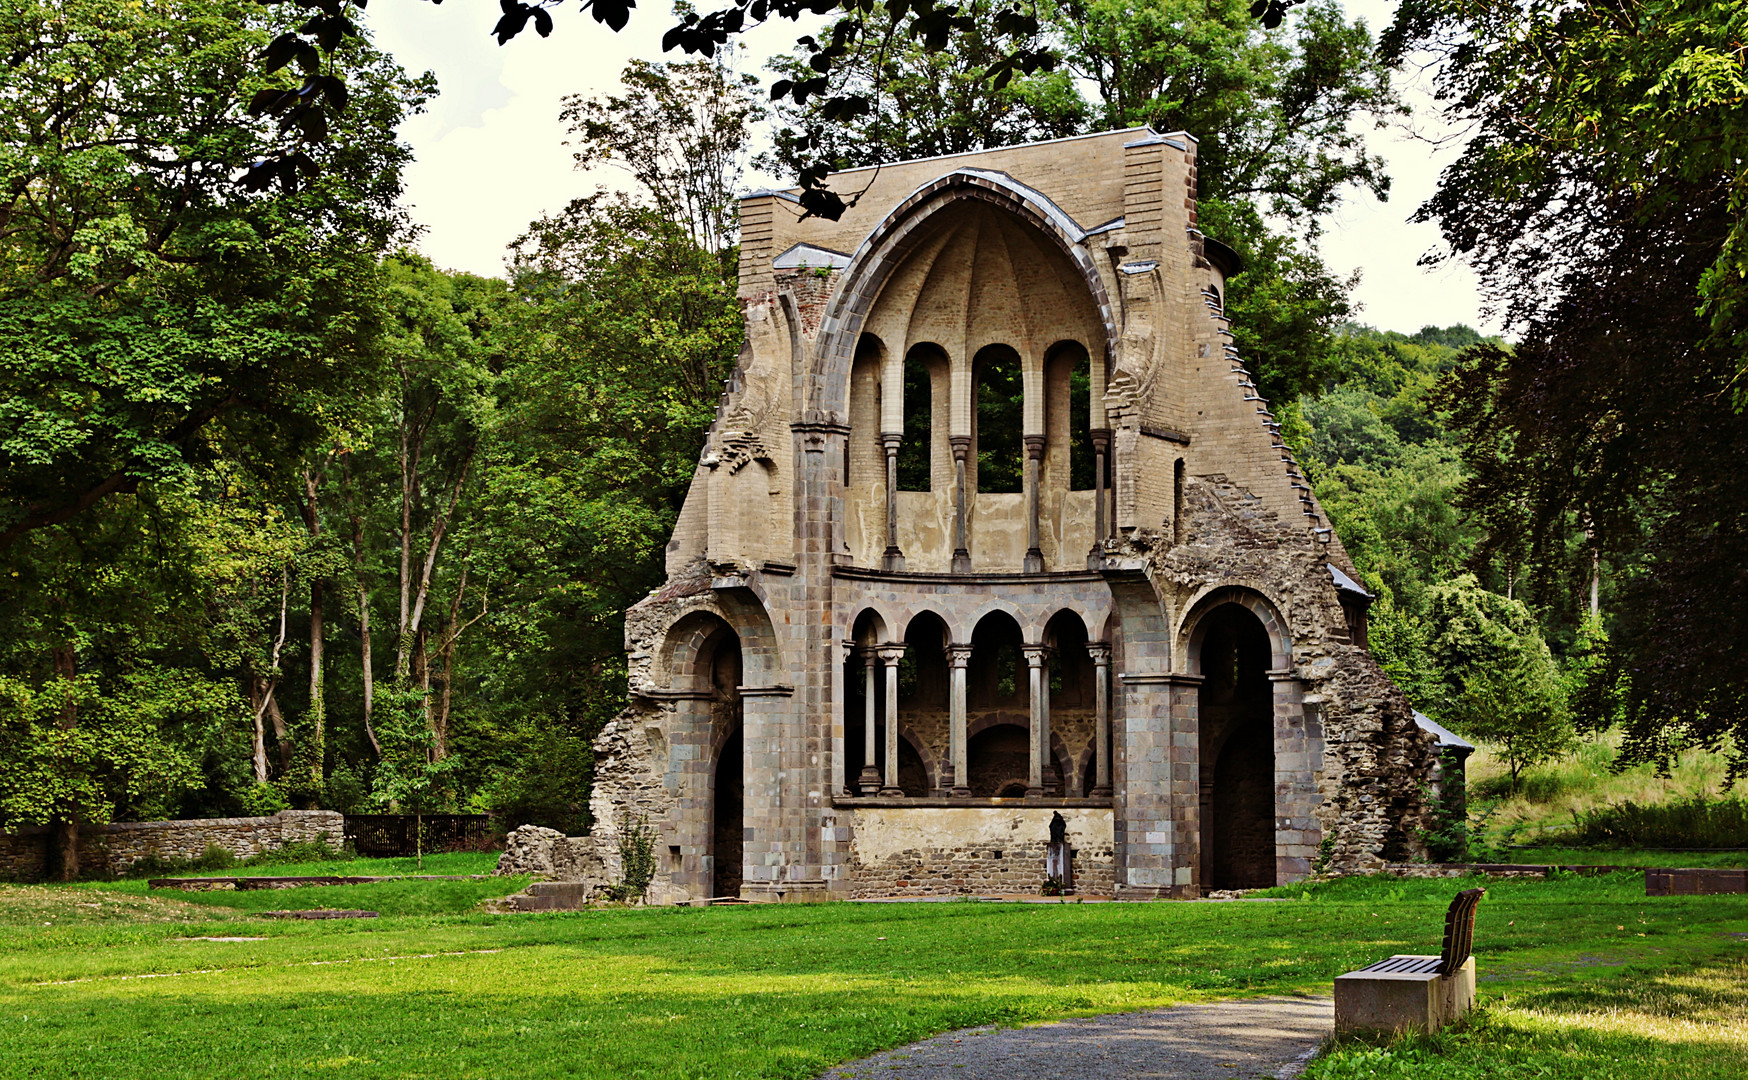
(99, 981)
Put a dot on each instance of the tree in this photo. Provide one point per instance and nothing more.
(1500, 682)
(1584, 113)
(166, 339)
(681, 130)
(151, 312)
(924, 101)
(1614, 413)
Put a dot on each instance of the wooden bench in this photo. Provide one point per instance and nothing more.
(1415, 992)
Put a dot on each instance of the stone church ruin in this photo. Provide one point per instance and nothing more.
(992, 526)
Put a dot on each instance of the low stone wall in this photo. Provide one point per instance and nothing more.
(111, 849)
(955, 851)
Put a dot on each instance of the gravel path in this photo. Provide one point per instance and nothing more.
(1259, 1037)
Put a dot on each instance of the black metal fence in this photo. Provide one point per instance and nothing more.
(390, 835)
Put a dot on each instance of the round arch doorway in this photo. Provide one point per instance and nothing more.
(1235, 704)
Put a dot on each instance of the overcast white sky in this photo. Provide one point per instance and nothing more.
(491, 156)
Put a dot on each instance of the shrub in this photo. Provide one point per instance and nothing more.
(264, 800)
(636, 858)
(1694, 822)
(300, 851)
(215, 858)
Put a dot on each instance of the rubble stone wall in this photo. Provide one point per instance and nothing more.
(112, 849)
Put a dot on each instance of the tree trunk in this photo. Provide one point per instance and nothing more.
(363, 590)
(280, 734)
(364, 660)
(318, 695)
(257, 707)
(422, 659)
(64, 830)
(446, 652)
(312, 518)
(412, 624)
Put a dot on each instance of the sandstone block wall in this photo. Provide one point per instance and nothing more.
(112, 849)
(957, 851)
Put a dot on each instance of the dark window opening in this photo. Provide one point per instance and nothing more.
(997, 674)
(1080, 448)
(915, 452)
(1000, 421)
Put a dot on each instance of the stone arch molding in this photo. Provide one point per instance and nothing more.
(827, 392)
(1248, 596)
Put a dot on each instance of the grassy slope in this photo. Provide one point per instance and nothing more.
(1549, 795)
(741, 992)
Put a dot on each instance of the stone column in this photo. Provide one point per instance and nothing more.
(1101, 444)
(1034, 473)
(869, 781)
(1053, 779)
(1037, 676)
(959, 656)
(1101, 657)
(890, 656)
(961, 551)
(893, 559)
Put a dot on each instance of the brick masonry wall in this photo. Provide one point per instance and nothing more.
(949, 851)
(114, 848)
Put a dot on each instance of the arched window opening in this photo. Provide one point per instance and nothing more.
(1071, 667)
(913, 775)
(1068, 416)
(1235, 705)
(923, 680)
(996, 677)
(916, 452)
(868, 631)
(1000, 421)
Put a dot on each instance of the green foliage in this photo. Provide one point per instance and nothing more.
(264, 800)
(546, 782)
(924, 101)
(637, 862)
(300, 853)
(1697, 821)
(681, 129)
(1601, 198)
(1500, 681)
(153, 315)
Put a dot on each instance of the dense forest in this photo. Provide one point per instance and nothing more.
(295, 518)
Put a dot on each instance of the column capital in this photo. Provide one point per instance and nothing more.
(1100, 651)
(1101, 438)
(1035, 445)
(890, 654)
(961, 445)
(891, 440)
(959, 655)
(1037, 655)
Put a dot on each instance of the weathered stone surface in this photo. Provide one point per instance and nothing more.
(1170, 647)
(548, 853)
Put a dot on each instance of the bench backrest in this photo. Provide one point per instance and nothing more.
(1459, 931)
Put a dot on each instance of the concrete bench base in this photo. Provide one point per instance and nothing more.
(1403, 1000)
